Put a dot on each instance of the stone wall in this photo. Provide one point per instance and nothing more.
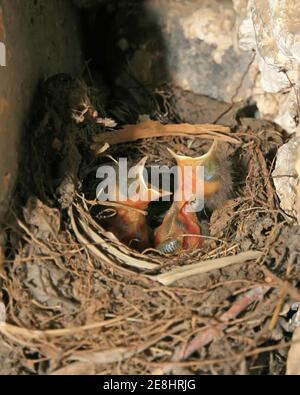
(272, 29)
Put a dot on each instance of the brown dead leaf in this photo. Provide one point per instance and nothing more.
(44, 220)
(48, 286)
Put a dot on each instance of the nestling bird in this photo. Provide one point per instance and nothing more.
(217, 186)
(129, 224)
(181, 229)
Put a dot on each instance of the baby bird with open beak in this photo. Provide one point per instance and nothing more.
(181, 229)
(129, 224)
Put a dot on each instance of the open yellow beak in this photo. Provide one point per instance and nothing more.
(140, 193)
(211, 181)
(202, 160)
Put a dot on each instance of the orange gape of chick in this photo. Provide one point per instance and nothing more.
(180, 229)
(129, 224)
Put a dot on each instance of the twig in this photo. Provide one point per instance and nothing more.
(204, 267)
(288, 288)
(39, 334)
(240, 305)
(218, 325)
(164, 365)
(150, 129)
(277, 310)
(119, 354)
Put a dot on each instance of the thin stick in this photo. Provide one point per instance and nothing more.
(37, 334)
(284, 284)
(213, 331)
(204, 267)
(277, 310)
(217, 326)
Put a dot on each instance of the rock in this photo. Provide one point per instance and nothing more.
(297, 166)
(191, 44)
(204, 109)
(287, 116)
(272, 29)
(285, 176)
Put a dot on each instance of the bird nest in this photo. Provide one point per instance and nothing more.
(80, 302)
